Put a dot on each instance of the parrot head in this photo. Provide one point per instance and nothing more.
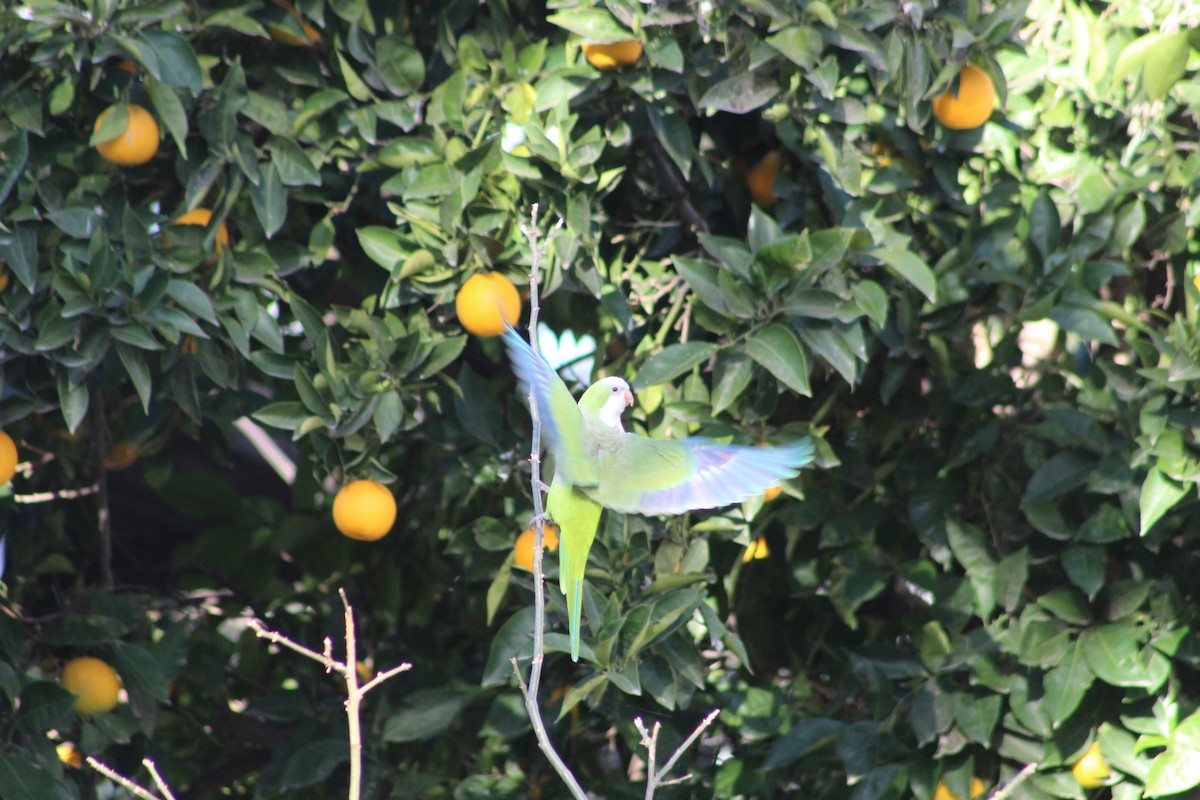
(607, 399)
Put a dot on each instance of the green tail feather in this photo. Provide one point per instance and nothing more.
(574, 604)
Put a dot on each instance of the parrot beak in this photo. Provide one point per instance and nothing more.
(628, 399)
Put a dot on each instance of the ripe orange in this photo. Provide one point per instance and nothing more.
(1091, 770)
(523, 549)
(122, 455)
(972, 106)
(8, 458)
(3, 277)
(943, 791)
(202, 216)
(485, 302)
(94, 681)
(137, 144)
(761, 178)
(613, 55)
(364, 510)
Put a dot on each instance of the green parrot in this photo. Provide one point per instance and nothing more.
(599, 465)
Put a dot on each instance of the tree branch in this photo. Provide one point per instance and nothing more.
(529, 692)
(650, 741)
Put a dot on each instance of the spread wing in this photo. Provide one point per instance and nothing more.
(562, 423)
(662, 476)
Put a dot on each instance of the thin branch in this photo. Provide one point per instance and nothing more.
(278, 638)
(348, 669)
(117, 777)
(61, 494)
(1006, 791)
(650, 740)
(530, 692)
(149, 764)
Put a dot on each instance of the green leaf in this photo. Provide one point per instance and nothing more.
(350, 77)
(1084, 565)
(1058, 475)
(426, 714)
(170, 111)
(800, 44)
(313, 762)
(1065, 685)
(399, 64)
(803, 738)
(139, 372)
(513, 640)
(777, 348)
(1111, 654)
(673, 361)
(976, 716)
(270, 200)
(1165, 64)
(1159, 495)
(20, 252)
(593, 24)
(731, 376)
(24, 780)
(740, 94)
(1174, 770)
(286, 414)
(382, 245)
(1133, 58)
(912, 269)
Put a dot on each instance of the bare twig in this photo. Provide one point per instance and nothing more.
(61, 494)
(650, 741)
(529, 692)
(135, 788)
(348, 669)
(1006, 791)
(149, 764)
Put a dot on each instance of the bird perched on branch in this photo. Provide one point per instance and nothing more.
(599, 465)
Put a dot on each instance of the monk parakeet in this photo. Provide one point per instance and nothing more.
(599, 465)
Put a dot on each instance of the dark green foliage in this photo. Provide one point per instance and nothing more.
(990, 333)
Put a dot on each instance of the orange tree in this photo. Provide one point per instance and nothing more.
(990, 332)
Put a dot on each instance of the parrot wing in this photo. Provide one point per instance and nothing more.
(562, 422)
(664, 476)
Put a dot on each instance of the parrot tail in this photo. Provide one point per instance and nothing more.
(574, 604)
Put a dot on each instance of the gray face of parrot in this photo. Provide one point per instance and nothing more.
(618, 397)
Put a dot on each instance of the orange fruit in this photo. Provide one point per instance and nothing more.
(3, 277)
(125, 65)
(94, 682)
(8, 458)
(523, 549)
(943, 791)
(972, 106)
(761, 178)
(202, 216)
(613, 55)
(364, 510)
(486, 302)
(137, 144)
(122, 455)
(1091, 770)
(756, 549)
